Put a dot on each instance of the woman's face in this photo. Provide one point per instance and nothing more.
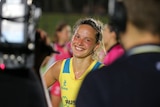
(65, 33)
(84, 41)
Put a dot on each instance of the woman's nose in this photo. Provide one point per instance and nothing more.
(80, 41)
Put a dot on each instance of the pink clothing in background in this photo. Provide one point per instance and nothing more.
(64, 51)
(115, 52)
(55, 89)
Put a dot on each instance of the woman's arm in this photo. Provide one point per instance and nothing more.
(52, 74)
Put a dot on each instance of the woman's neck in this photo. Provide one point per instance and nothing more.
(61, 42)
(81, 65)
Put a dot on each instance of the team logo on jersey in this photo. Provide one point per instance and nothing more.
(64, 85)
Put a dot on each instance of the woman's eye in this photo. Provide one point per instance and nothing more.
(88, 40)
(77, 36)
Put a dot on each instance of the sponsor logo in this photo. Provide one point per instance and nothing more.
(68, 102)
(64, 85)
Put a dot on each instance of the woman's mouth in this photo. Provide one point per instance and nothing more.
(79, 48)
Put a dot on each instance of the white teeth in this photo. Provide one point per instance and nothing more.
(80, 49)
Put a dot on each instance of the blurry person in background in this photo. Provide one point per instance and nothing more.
(132, 80)
(60, 44)
(111, 42)
(70, 72)
(61, 41)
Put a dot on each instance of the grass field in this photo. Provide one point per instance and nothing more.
(48, 21)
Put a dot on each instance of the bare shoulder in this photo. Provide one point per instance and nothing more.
(57, 64)
(52, 74)
(55, 68)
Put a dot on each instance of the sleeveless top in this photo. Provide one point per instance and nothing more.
(69, 84)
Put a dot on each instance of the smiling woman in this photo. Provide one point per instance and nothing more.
(71, 72)
(83, 42)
